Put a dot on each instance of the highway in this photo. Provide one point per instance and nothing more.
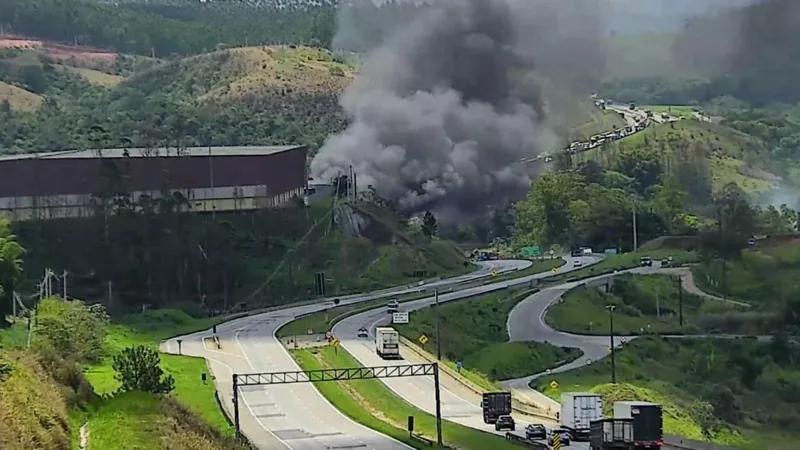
(457, 405)
(295, 416)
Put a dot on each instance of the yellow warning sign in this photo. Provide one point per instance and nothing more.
(494, 273)
(554, 270)
(336, 342)
(556, 441)
(554, 385)
(423, 339)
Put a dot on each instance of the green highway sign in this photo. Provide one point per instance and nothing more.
(531, 252)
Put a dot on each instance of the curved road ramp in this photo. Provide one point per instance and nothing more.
(295, 416)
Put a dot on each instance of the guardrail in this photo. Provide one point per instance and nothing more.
(524, 442)
(423, 439)
(516, 405)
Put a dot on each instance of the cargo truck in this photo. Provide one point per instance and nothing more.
(387, 343)
(611, 434)
(494, 405)
(648, 431)
(578, 410)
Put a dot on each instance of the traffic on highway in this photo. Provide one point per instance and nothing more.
(297, 416)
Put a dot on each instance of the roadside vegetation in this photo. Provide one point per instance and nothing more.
(323, 321)
(643, 304)
(473, 331)
(729, 391)
(372, 403)
(173, 406)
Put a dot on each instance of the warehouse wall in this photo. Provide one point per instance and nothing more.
(235, 198)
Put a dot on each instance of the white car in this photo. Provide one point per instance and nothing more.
(577, 263)
(392, 306)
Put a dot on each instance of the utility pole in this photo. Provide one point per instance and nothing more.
(611, 338)
(64, 281)
(635, 237)
(680, 303)
(438, 334)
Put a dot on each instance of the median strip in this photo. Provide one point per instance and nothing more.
(373, 404)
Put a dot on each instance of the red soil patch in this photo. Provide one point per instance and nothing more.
(60, 52)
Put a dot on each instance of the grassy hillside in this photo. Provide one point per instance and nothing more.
(19, 99)
(473, 332)
(45, 398)
(731, 156)
(644, 304)
(729, 390)
(247, 260)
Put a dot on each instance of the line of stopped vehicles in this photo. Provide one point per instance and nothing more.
(633, 425)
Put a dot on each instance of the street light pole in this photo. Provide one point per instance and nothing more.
(438, 335)
(611, 338)
(635, 234)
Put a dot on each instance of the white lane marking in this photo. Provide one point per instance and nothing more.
(245, 401)
(364, 427)
(247, 405)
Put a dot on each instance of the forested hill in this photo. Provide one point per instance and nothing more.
(185, 27)
(182, 27)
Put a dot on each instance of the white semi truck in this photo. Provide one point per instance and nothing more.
(387, 343)
(578, 410)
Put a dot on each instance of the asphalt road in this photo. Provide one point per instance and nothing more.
(526, 323)
(457, 406)
(295, 416)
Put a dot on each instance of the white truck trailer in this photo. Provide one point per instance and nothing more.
(387, 343)
(578, 411)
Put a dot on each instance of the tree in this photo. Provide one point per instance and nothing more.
(429, 226)
(73, 329)
(703, 413)
(138, 369)
(10, 269)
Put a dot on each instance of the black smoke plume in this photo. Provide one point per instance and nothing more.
(448, 103)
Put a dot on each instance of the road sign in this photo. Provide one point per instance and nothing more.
(423, 339)
(400, 317)
(554, 385)
(554, 270)
(319, 283)
(532, 251)
(336, 342)
(494, 273)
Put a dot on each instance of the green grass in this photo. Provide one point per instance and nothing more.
(638, 300)
(538, 266)
(150, 329)
(142, 421)
(762, 276)
(474, 331)
(679, 111)
(677, 373)
(371, 403)
(624, 261)
(323, 321)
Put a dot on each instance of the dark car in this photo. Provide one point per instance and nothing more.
(362, 332)
(505, 423)
(535, 431)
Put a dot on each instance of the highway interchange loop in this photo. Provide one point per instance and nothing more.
(298, 417)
